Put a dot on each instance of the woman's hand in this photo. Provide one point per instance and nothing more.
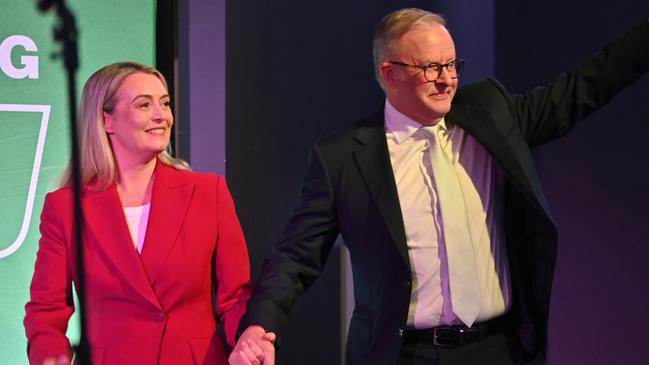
(59, 360)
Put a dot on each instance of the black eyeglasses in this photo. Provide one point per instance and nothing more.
(433, 70)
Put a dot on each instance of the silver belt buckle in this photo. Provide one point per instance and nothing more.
(445, 336)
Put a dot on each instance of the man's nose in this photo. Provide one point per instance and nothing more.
(445, 76)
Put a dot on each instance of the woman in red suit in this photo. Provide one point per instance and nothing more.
(158, 239)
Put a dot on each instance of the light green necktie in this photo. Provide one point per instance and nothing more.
(463, 278)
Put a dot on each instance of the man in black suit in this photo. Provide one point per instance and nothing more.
(435, 171)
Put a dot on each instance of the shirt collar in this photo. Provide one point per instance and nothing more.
(401, 126)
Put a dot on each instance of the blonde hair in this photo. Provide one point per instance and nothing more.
(100, 95)
(392, 27)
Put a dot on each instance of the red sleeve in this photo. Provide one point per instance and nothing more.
(51, 304)
(232, 265)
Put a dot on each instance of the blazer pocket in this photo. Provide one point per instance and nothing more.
(360, 329)
(360, 336)
(208, 350)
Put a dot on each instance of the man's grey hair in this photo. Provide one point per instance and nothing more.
(392, 27)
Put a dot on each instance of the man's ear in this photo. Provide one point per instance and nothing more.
(108, 123)
(388, 74)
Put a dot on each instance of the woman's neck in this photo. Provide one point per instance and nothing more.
(135, 183)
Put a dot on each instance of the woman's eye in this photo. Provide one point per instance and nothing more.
(145, 105)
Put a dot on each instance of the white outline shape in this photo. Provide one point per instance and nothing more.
(36, 168)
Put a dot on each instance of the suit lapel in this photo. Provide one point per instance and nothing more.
(517, 166)
(169, 202)
(373, 161)
(374, 164)
(107, 233)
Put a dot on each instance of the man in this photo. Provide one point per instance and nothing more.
(438, 200)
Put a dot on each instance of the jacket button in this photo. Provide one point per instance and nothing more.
(159, 317)
(400, 332)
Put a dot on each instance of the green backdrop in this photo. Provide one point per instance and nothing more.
(34, 138)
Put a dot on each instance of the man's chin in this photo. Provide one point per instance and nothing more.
(440, 109)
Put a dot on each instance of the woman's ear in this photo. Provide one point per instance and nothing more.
(108, 123)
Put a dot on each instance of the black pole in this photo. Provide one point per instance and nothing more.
(66, 33)
(166, 31)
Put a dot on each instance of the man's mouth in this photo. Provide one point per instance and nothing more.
(440, 95)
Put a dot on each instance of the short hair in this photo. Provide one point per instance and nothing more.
(392, 27)
(96, 154)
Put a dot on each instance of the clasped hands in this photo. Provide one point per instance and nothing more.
(254, 347)
(58, 360)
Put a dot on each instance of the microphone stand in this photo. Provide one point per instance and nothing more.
(66, 33)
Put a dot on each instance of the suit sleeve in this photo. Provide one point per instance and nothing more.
(300, 256)
(50, 305)
(232, 267)
(546, 113)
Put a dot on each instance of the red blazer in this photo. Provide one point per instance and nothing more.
(153, 308)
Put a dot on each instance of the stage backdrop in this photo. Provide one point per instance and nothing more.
(34, 134)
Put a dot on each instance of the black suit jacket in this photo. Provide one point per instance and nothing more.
(350, 189)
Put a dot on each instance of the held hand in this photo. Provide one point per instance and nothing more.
(59, 360)
(268, 346)
(255, 347)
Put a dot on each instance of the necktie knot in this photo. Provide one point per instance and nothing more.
(437, 137)
(432, 133)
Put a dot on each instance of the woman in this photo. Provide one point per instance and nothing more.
(158, 239)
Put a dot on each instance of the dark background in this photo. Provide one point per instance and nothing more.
(299, 70)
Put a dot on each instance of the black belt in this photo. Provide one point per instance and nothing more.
(454, 336)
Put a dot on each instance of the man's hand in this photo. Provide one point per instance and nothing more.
(255, 347)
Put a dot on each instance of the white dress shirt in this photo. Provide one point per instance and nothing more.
(482, 184)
